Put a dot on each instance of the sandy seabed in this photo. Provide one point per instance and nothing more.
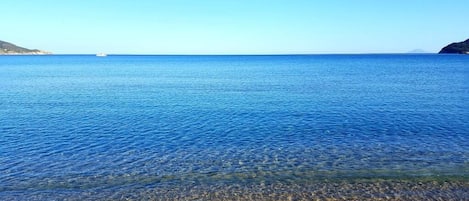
(334, 190)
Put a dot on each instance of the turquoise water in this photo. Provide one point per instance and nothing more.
(82, 124)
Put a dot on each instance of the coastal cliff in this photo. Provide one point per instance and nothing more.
(456, 48)
(7, 48)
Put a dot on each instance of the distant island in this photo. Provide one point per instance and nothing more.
(456, 48)
(7, 48)
(417, 51)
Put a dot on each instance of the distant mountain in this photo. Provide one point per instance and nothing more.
(9, 48)
(417, 51)
(456, 48)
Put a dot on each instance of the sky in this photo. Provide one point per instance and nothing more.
(233, 26)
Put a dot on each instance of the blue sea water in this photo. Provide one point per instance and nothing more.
(84, 123)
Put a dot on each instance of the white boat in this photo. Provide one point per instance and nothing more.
(101, 55)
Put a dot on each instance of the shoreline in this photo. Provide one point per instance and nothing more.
(19, 54)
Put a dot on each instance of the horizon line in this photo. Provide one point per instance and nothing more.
(256, 54)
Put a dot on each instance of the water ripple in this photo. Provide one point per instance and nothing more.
(219, 120)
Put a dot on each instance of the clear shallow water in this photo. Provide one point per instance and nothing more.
(90, 124)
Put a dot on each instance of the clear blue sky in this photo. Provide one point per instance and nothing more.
(234, 26)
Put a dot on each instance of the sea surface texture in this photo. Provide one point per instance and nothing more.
(292, 127)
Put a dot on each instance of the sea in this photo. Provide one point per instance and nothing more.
(234, 127)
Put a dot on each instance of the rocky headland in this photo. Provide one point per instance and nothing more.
(7, 48)
(456, 48)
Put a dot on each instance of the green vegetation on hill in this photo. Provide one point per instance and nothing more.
(9, 48)
(456, 48)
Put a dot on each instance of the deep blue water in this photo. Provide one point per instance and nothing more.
(82, 122)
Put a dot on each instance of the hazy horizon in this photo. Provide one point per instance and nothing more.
(183, 27)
